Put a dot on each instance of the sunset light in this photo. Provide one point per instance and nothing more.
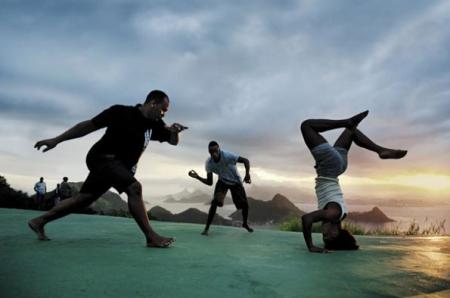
(432, 182)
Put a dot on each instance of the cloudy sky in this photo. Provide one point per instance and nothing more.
(242, 73)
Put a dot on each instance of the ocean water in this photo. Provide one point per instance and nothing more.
(402, 215)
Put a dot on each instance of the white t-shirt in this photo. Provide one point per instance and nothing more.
(40, 187)
(225, 168)
(328, 190)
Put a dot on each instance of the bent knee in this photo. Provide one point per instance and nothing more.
(305, 125)
(135, 189)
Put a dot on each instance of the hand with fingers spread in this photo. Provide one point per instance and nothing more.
(48, 143)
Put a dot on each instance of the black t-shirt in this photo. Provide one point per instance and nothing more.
(127, 134)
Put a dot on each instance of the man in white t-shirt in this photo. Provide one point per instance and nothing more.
(40, 188)
(223, 163)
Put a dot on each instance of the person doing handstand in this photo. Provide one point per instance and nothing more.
(331, 161)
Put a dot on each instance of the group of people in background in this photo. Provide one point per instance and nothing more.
(62, 191)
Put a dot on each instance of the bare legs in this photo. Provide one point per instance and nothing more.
(311, 133)
(311, 128)
(245, 219)
(135, 204)
(64, 208)
(211, 213)
(137, 209)
(384, 153)
(348, 137)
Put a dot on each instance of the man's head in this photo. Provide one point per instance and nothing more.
(41, 179)
(65, 179)
(214, 150)
(155, 105)
(336, 238)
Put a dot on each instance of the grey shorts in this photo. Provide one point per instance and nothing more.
(330, 161)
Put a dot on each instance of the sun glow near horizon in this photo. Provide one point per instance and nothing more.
(426, 181)
(436, 185)
(431, 182)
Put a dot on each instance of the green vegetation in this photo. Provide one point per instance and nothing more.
(11, 198)
(430, 228)
(295, 225)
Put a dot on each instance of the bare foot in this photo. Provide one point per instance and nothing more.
(38, 229)
(355, 120)
(392, 154)
(159, 241)
(245, 226)
(204, 233)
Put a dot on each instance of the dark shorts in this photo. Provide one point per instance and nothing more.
(107, 173)
(237, 194)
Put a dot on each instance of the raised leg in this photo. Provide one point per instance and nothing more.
(311, 128)
(363, 141)
(345, 140)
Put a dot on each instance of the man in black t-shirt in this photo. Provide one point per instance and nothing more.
(113, 159)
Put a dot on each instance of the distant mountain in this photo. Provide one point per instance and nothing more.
(194, 197)
(280, 209)
(295, 194)
(191, 215)
(275, 211)
(109, 203)
(375, 216)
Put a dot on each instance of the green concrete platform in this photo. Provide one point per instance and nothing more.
(100, 256)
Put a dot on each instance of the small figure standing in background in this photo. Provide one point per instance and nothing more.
(40, 188)
(64, 191)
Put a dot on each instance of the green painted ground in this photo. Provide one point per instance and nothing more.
(99, 256)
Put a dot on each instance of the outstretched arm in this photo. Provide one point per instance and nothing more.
(246, 163)
(77, 131)
(208, 180)
(315, 216)
(175, 129)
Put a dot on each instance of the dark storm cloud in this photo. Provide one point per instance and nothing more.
(244, 73)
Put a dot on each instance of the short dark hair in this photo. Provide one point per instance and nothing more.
(344, 241)
(156, 95)
(212, 144)
(65, 178)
